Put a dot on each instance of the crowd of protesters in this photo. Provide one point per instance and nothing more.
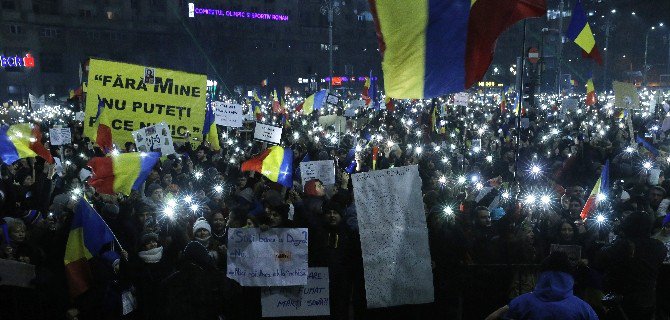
(491, 220)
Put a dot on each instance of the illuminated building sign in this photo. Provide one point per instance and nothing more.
(26, 61)
(195, 11)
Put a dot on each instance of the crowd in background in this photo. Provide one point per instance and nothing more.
(492, 216)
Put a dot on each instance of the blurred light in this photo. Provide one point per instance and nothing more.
(218, 188)
(530, 198)
(489, 158)
(545, 199)
(601, 197)
(188, 199)
(461, 180)
(647, 165)
(448, 211)
(600, 218)
(194, 207)
(198, 175)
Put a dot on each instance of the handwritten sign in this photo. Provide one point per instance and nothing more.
(228, 114)
(277, 257)
(60, 136)
(394, 237)
(17, 274)
(309, 300)
(267, 133)
(323, 170)
(461, 99)
(156, 138)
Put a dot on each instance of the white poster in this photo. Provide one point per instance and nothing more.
(323, 170)
(569, 104)
(310, 300)
(267, 133)
(60, 136)
(332, 99)
(276, 257)
(156, 138)
(17, 274)
(394, 237)
(358, 104)
(461, 99)
(36, 103)
(79, 116)
(228, 114)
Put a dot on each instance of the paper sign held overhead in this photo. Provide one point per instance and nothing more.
(154, 138)
(323, 170)
(267, 133)
(60, 136)
(228, 114)
(332, 99)
(302, 301)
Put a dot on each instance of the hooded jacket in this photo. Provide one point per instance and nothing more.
(551, 299)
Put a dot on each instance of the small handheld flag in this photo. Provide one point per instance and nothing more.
(275, 163)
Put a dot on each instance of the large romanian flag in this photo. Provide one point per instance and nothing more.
(103, 136)
(23, 140)
(435, 47)
(276, 163)
(121, 173)
(579, 30)
(601, 187)
(88, 235)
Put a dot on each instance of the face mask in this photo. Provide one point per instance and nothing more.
(204, 241)
(151, 256)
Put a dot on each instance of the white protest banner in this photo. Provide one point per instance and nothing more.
(60, 136)
(156, 138)
(267, 133)
(276, 257)
(228, 114)
(461, 99)
(358, 104)
(17, 274)
(339, 123)
(36, 103)
(323, 170)
(309, 300)
(394, 237)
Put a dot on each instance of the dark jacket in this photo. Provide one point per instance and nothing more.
(551, 299)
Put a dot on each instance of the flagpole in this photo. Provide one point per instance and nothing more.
(106, 225)
(519, 108)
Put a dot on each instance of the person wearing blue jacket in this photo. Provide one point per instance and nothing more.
(552, 297)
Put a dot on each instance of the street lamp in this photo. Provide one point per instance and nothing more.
(330, 7)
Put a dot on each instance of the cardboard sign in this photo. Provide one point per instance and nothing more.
(323, 170)
(461, 99)
(276, 257)
(267, 133)
(625, 95)
(394, 237)
(17, 274)
(155, 138)
(228, 114)
(132, 103)
(60, 136)
(309, 300)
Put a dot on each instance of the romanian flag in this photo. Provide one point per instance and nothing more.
(599, 188)
(350, 160)
(434, 47)
(88, 235)
(595, 55)
(209, 129)
(591, 98)
(122, 173)
(579, 30)
(276, 105)
(366, 91)
(256, 105)
(104, 135)
(275, 163)
(23, 140)
(313, 102)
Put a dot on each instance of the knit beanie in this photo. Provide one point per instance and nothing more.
(201, 223)
(147, 237)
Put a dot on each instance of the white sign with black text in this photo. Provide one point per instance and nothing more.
(267, 133)
(228, 114)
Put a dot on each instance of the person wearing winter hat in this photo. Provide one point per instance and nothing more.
(155, 194)
(147, 270)
(202, 233)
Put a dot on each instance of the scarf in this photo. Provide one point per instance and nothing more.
(151, 256)
(204, 241)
